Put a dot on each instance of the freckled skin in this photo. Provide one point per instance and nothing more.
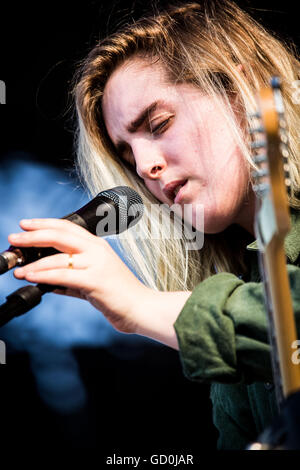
(193, 142)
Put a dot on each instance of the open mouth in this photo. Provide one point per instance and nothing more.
(177, 193)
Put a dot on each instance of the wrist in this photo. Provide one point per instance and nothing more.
(157, 314)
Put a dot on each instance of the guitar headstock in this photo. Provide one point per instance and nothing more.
(270, 149)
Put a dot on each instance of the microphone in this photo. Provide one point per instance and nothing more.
(111, 212)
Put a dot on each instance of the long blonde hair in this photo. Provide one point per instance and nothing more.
(201, 44)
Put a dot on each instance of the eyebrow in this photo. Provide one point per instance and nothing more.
(142, 117)
(137, 123)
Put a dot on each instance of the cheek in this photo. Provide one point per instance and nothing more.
(153, 187)
(230, 172)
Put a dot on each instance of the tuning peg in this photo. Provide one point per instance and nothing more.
(254, 130)
(260, 173)
(258, 144)
(284, 138)
(282, 122)
(260, 158)
(284, 151)
(261, 189)
(256, 115)
(288, 184)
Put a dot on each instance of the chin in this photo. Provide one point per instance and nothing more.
(205, 220)
(216, 224)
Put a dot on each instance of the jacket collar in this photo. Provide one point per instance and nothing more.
(292, 240)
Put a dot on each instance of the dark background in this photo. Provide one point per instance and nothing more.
(140, 405)
(40, 47)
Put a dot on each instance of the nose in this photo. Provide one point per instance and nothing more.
(150, 163)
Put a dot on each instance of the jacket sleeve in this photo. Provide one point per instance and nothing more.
(222, 330)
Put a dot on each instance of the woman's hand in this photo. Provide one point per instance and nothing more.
(98, 274)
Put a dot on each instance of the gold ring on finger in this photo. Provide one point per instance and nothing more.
(70, 262)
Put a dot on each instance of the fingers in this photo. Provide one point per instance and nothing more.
(52, 223)
(45, 232)
(67, 238)
(70, 278)
(60, 240)
(59, 261)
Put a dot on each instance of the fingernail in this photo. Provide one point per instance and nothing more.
(13, 236)
(19, 272)
(26, 221)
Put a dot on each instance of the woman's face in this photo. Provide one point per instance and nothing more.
(173, 135)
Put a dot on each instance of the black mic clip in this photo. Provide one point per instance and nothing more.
(22, 300)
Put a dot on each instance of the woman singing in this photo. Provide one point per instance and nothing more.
(162, 107)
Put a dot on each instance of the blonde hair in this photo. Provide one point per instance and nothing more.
(201, 44)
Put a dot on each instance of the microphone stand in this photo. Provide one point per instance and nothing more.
(22, 300)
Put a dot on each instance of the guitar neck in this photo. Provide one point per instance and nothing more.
(282, 313)
(270, 146)
(277, 378)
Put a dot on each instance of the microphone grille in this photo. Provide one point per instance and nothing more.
(129, 203)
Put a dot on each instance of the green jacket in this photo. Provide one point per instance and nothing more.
(222, 333)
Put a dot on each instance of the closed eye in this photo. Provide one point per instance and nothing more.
(161, 126)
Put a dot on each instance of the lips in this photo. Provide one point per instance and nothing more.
(171, 190)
